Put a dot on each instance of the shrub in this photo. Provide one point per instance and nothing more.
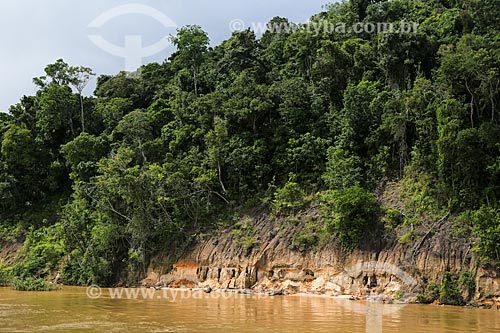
(392, 217)
(75, 271)
(398, 295)
(31, 284)
(10, 234)
(486, 227)
(304, 240)
(5, 277)
(449, 292)
(467, 284)
(349, 213)
(433, 291)
(288, 199)
(408, 237)
(42, 253)
(430, 295)
(308, 237)
(248, 242)
(423, 299)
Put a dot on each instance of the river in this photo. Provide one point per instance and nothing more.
(75, 309)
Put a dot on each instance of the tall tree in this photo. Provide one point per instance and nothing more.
(192, 44)
(79, 78)
(57, 73)
(61, 74)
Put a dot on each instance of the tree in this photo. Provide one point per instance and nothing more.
(82, 155)
(61, 74)
(240, 51)
(273, 41)
(24, 112)
(192, 44)
(342, 170)
(79, 77)
(23, 174)
(359, 7)
(122, 86)
(135, 129)
(216, 140)
(486, 227)
(350, 213)
(56, 113)
(300, 49)
(112, 110)
(254, 124)
(57, 73)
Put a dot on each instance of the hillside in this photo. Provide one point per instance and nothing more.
(389, 139)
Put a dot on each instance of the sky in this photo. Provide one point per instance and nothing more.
(34, 33)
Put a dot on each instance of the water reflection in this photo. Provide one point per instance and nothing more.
(70, 310)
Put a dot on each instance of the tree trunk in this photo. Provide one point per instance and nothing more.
(82, 113)
(195, 78)
(142, 151)
(220, 177)
(471, 103)
(71, 127)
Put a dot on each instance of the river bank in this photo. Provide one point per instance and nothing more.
(386, 298)
(273, 263)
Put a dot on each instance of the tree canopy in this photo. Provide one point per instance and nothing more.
(151, 160)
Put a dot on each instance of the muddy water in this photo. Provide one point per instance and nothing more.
(72, 310)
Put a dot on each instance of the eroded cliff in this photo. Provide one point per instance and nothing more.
(262, 255)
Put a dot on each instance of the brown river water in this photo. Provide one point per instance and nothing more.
(75, 309)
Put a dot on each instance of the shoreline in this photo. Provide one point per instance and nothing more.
(373, 298)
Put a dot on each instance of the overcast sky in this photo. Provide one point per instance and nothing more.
(34, 33)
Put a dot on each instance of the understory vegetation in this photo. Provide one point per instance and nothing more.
(95, 186)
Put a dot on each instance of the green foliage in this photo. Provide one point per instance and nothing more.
(5, 277)
(431, 294)
(244, 233)
(449, 293)
(41, 253)
(308, 237)
(82, 155)
(288, 199)
(408, 237)
(304, 241)
(153, 159)
(112, 110)
(486, 227)
(247, 243)
(342, 171)
(467, 284)
(32, 284)
(349, 214)
(422, 198)
(192, 43)
(10, 233)
(392, 217)
(398, 295)
(20, 181)
(57, 114)
(423, 299)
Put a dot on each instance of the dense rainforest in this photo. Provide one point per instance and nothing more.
(93, 187)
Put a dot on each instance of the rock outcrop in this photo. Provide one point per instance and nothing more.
(270, 262)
